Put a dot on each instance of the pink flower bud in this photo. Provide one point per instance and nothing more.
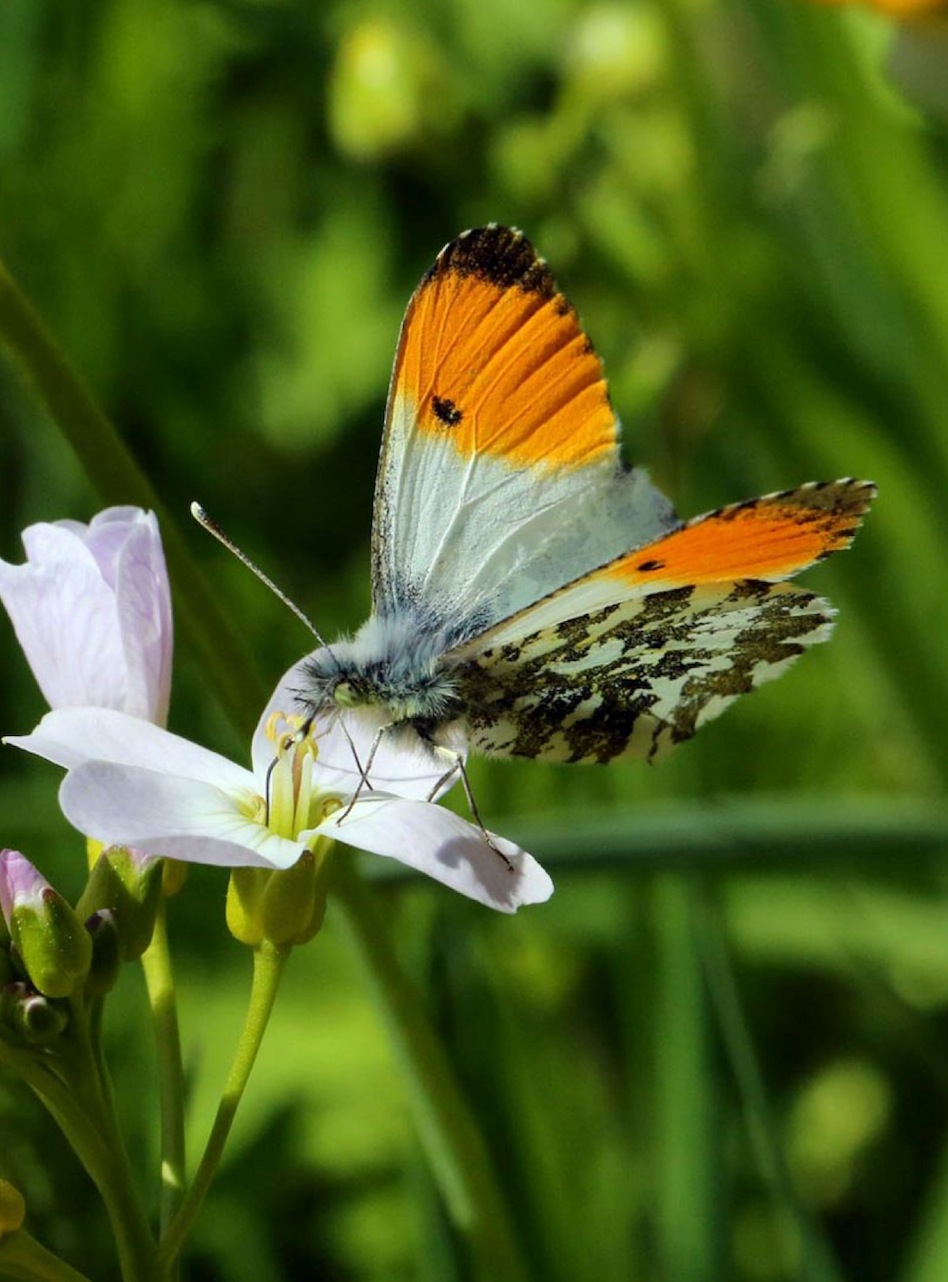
(21, 885)
(51, 942)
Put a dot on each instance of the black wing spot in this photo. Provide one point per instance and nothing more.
(647, 566)
(446, 411)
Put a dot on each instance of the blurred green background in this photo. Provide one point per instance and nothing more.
(721, 1050)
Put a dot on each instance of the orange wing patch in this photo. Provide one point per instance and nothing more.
(766, 538)
(493, 358)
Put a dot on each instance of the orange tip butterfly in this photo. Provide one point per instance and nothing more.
(531, 594)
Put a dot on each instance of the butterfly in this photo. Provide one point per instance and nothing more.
(530, 591)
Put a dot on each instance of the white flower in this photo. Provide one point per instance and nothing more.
(92, 610)
(133, 783)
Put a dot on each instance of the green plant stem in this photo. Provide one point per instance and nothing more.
(23, 1259)
(268, 963)
(452, 1141)
(75, 1097)
(159, 981)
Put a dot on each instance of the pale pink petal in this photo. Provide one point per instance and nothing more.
(49, 541)
(106, 533)
(186, 819)
(402, 764)
(21, 884)
(92, 611)
(66, 621)
(143, 601)
(444, 846)
(72, 736)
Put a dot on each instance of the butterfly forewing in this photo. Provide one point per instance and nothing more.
(499, 478)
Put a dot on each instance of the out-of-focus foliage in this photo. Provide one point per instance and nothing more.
(738, 1069)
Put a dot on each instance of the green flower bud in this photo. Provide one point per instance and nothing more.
(106, 952)
(10, 997)
(127, 885)
(38, 1020)
(50, 939)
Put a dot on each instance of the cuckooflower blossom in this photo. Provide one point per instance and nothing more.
(92, 610)
(132, 783)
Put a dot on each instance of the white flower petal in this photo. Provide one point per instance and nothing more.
(66, 621)
(92, 611)
(49, 541)
(444, 846)
(402, 764)
(164, 815)
(143, 603)
(107, 532)
(73, 736)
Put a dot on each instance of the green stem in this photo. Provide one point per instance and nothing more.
(268, 963)
(23, 1259)
(453, 1144)
(159, 981)
(83, 1112)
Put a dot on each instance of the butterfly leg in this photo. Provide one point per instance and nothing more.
(363, 770)
(458, 767)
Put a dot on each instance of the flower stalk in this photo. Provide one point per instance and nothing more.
(159, 983)
(449, 1134)
(72, 1089)
(269, 960)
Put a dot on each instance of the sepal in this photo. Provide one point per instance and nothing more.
(106, 952)
(282, 907)
(127, 885)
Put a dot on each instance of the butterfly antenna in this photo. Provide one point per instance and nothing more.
(209, 524)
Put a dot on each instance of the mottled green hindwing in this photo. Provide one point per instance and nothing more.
(635, 678)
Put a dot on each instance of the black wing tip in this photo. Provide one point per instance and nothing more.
(847, 496)
(503, 256)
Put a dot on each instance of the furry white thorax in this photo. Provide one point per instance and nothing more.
(393, 662)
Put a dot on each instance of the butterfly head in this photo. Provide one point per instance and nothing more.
(392, 664)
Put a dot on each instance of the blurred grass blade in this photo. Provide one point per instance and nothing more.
(118, 479)
(806, 1253)
(688, 1157)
